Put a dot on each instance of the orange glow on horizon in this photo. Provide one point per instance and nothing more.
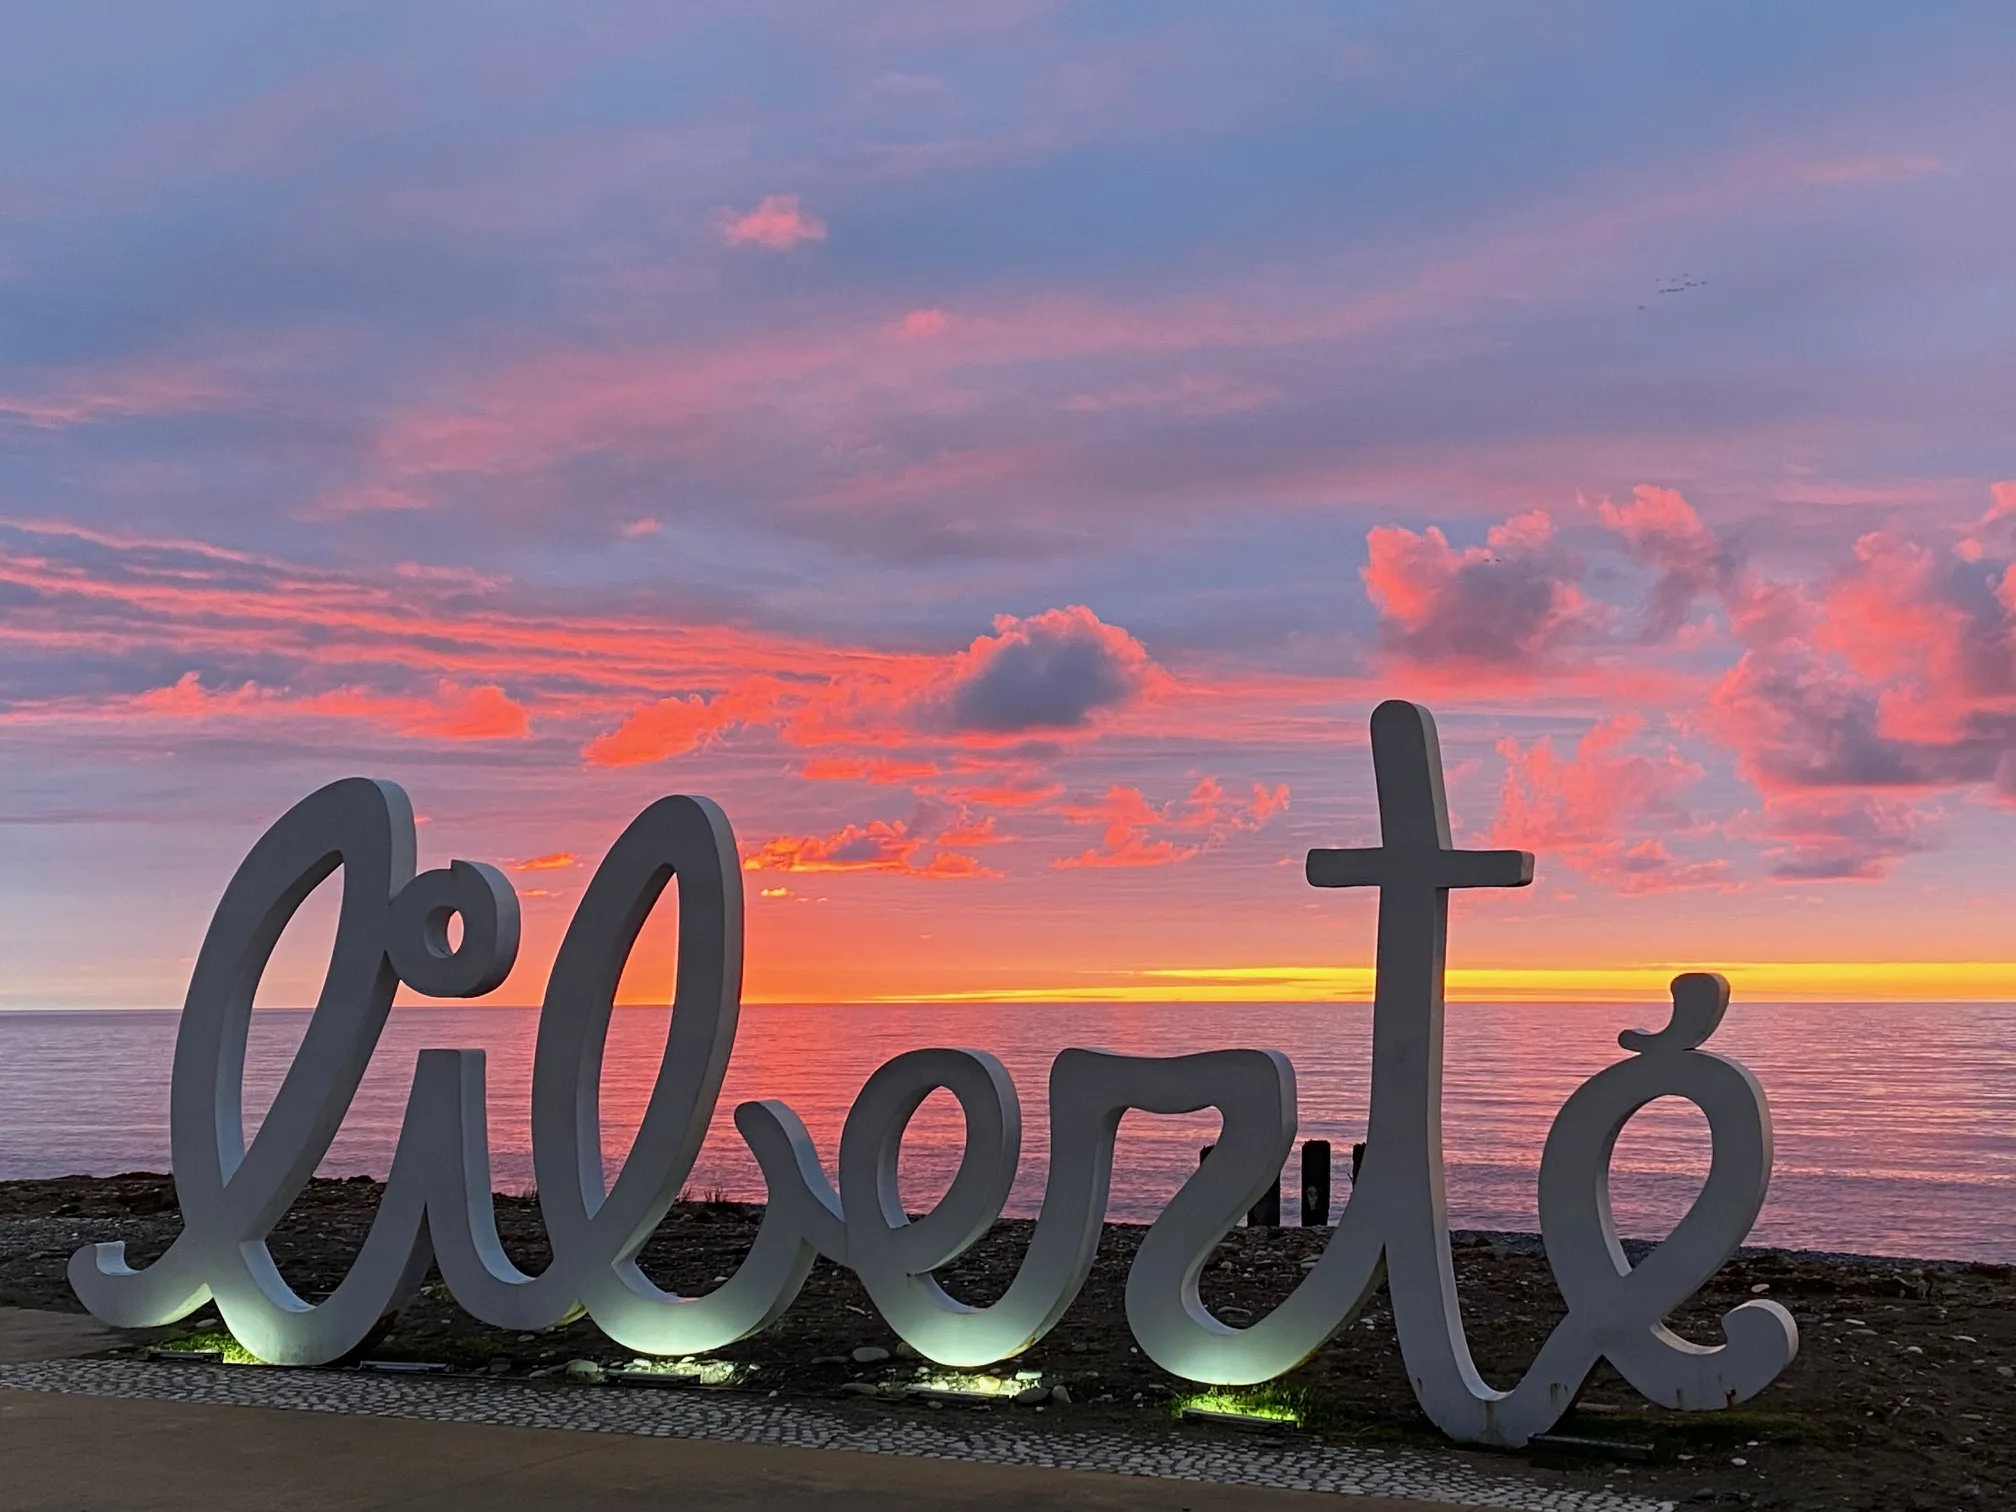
(1751, 981)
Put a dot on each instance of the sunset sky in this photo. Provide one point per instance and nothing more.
(1002, 452)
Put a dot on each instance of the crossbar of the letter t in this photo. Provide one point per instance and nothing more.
(1415, 853)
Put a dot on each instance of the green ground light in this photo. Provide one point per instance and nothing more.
(1260, 1406)
(228, 1349)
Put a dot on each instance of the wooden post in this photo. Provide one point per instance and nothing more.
(1315, 1183)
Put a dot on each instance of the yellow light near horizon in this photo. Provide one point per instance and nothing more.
(1765, 981)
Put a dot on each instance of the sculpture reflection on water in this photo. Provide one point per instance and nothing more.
(437, 1210)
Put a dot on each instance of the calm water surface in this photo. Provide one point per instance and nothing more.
(1896, 1123)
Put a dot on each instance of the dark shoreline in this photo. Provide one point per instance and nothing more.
(1897, 1401)
(1530, 1244)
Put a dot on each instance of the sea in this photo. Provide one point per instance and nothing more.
(1895, 1123)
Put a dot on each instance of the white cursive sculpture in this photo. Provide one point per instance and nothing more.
(1396, 1225)
(437, 1208)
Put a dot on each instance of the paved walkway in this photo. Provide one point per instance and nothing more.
(71, 1452)
(26, 1334)
(81, 1435)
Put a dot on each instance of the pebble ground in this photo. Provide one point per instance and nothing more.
(959, 1434)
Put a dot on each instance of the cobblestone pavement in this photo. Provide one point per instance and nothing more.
(723, 1416)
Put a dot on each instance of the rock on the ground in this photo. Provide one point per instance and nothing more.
(1060, 1395)
(584, 1370)
(1029, 1396)
(870, 1354)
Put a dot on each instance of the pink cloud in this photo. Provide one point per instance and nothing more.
(1660, 528)
(1895, 678)
(452, 713)
(1896, 671)
(1133, 849)
(966, 830)
(1902, 673)
(187, 698)
(878, 846)
(1837, 836)
(1065, 675)
(777, 223)
(1127, 817)
(1893, 620)
(1507, 606)
(684, 400)
(161, 595)
(673, 726)
(1208, 806)
(1890, 678)
(2002, 502)
(921, 324)
(883, 770)
(1029, 793)
(1585, 808)
(455, 713)
(86, 396)
(1058, 672)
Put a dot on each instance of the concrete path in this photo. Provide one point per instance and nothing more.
(84, 1454)
(26, 1334)
(81, 1453)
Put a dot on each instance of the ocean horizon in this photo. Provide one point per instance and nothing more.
(1895, 1123)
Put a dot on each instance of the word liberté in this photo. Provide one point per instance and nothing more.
(437, 1210)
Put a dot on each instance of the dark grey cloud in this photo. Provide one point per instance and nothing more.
(1491, 611)
(1051, 672)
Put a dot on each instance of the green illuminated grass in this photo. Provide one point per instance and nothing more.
(1272, 1404)
(230, 1349)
